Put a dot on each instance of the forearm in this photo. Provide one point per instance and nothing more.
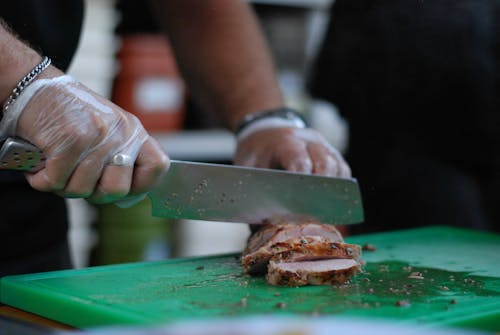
(222, 55)
(16, 60)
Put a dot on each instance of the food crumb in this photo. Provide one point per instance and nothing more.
(416, 275)
(280, 305)
(201, 267)
(369, 247)
(243, 302)
(453, 301)
(277, 294)
(403, 303)
(444, 288)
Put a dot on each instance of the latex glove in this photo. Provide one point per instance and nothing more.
(302, 150)
(79, 133)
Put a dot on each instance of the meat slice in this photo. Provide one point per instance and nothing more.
(309, 248)
(298, 249)
(275, 232)
(319, 272)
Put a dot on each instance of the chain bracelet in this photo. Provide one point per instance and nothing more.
(27, 79)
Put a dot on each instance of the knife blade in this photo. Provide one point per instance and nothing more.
(229, 193)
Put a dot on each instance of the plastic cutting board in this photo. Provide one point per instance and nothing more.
(457, 284)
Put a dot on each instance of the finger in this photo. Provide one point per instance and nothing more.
(55, 174)
(254, 158)
(59, 165)
(345, 170)
(151, 164)
(323, 161)
(130, 201)
(293, 156)
(343, 166)
(250, 153)
(84, 179)
(327, 161)
(114, 184)
(245, 159)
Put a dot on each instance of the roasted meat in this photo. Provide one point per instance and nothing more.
(295, 252)
(320, 272)
(296, 249)
(279, 231)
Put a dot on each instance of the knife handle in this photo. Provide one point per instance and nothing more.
(21, 155)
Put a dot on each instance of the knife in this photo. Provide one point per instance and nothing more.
(228, 193)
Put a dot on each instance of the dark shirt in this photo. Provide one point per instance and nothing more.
(135, 18)
(418, 82)
(51, 27)
(426, 72)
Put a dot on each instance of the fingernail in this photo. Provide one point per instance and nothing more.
(129, 202)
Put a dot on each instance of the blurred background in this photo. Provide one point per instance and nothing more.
(125, 57)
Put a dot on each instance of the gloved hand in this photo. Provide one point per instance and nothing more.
(295, 149)
(81, 134)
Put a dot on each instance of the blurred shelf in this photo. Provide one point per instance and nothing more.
(214, 145)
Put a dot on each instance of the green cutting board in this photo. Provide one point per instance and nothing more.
(459, 286)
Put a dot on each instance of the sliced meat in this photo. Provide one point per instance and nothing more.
(275, 232)
(298, 249)
(295, 251)
(319, 272)
(313, 248)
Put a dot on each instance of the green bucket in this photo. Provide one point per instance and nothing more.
(131, 235)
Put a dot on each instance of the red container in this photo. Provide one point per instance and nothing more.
(148, 83)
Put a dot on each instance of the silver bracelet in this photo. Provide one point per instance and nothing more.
(27, 79)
